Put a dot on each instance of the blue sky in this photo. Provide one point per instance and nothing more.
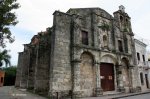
(36, 15)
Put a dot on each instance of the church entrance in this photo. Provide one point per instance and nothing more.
(107, 76)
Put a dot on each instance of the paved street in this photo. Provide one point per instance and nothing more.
(9, 92)
(142, 96)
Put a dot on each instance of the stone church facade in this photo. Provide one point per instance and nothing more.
(87, 52)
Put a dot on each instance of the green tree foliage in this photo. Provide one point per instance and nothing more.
(7, 19)
(4, 57)
(10, 75)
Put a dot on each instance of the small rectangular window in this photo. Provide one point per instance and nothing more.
(141, 77)
(138, 56)
(84, 37)
(120, 46)
(143, 58)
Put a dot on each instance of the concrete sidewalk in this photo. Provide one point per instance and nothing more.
(117, 96)
(10, 92)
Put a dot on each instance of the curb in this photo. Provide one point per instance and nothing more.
(130, 95)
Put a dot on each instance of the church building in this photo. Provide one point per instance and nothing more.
(87, 52)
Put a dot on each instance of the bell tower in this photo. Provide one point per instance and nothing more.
(122, 8)
(122, 20)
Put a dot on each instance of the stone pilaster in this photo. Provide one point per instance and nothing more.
(98, 90)
(19, 70)
(42, 70)
(120, 86)
(131, 75)
(36, 65)
(76, 78)
(31, 71)
(24, 69)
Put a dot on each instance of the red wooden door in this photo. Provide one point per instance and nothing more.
(107, 76)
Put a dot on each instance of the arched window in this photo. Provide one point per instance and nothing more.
(121, 18)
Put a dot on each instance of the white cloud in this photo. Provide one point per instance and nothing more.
(30, 18)
(36, 15)
(141, 26)
(14, 48)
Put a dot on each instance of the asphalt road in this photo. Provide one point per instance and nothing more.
(9, 92)
(142, 96)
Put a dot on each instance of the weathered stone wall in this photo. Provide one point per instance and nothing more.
(89, 20)
(82, 22)
(87, 75)
(19, 68)
(25, 62)
(60, 54)
(31, 72)
(41, 84)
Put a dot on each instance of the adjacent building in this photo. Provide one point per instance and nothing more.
(143, 64)
(87, 52)
(2, 74)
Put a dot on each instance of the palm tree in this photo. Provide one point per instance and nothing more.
(4, 57)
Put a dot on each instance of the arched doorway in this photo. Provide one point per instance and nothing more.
(87, 74)
(107, 73)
